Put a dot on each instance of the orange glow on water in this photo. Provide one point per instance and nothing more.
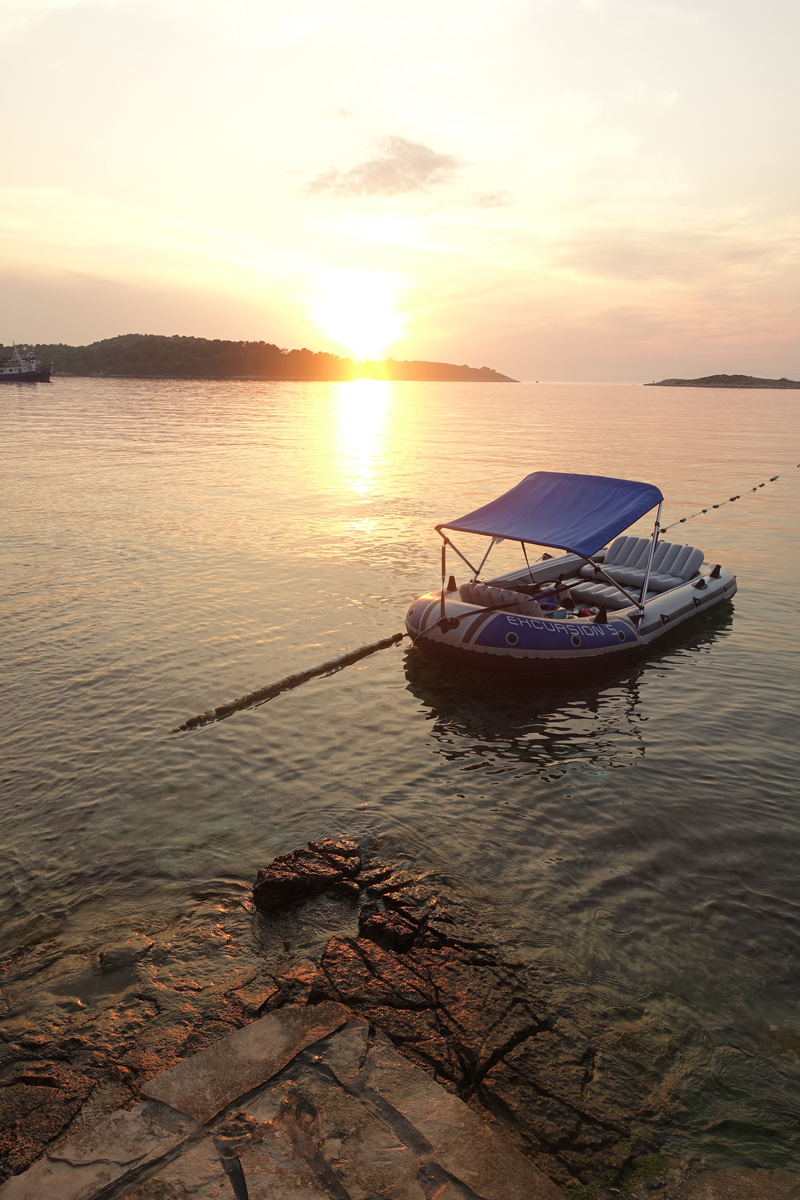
(362, 409)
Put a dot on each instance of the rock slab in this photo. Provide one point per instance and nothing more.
(206, 1083)
(467, 1149)
(97, 1157)
(426, 969)
(347, 1118)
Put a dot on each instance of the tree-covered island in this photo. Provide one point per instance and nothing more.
(727, 381)
(154, 356)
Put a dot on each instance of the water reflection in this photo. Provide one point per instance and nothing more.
(543, 726)
(362, 409)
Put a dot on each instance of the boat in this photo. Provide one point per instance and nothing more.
(23, 367)
(606, 593)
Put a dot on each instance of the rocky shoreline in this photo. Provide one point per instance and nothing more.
(403, 951)
(424, 968)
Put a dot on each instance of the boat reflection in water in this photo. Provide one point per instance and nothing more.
(542, 727)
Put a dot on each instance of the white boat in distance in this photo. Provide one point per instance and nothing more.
(23, 367)
(604, 595)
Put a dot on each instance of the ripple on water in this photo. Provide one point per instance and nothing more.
(171, 545)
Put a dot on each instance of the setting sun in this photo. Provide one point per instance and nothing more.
(358, 310)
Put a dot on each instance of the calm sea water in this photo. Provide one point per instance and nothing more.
(169, 545)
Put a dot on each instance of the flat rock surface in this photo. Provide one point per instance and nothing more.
(272, 1170)
(426, 969)
(47, 1180)
(122, 1137)
(464, 1145)
(347, 1051)
(335, 1128)
(383, 1131)
(205, 1083)
(97, 1157)
(405, 1055)
(89, 1014)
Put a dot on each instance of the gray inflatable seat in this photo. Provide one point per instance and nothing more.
(626, 562)
(599, 594)
(625, 551)
(673, 565)
(486, 596)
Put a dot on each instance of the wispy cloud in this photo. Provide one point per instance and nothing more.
(14, 14)
(306, 20)
(681, 254)
(492, 200)
(402, 167)
(676, 12)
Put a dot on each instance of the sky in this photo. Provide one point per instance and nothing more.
(560, 189)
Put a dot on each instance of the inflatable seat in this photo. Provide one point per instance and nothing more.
(486, 596)
(601, 594)
(626, 562)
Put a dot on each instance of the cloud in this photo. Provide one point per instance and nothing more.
(308, 19)
(15, 14)
(492, 200)
(402, 167)
(681, 255)
(675, 12)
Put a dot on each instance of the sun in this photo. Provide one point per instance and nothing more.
(358, 309)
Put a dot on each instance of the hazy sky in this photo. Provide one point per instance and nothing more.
(562, 189)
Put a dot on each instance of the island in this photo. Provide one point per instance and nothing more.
(726, 381)
(157, 357)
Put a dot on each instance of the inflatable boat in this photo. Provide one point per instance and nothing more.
(606, 593)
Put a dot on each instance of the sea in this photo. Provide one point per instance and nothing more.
(170, 545)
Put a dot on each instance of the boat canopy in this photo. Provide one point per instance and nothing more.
(579, 513)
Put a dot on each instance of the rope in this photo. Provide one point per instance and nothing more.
(722, 503)
(283, 685)
(344, 660)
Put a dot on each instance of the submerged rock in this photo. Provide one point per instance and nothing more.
(567, 1077)
(428, 970)
(305, 873)
(82, 1034)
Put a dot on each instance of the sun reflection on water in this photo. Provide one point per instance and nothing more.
(362, 410)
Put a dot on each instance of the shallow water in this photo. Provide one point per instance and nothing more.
(170, 545)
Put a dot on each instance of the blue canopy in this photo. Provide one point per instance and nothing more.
(568, 512)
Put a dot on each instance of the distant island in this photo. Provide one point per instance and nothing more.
(156, 357)
(727, 381)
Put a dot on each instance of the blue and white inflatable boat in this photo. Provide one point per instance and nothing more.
(603, 595)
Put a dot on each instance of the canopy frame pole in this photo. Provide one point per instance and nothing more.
(483, 560)
(528, 565)
(444, 571)
(453, 546)
(656, 531)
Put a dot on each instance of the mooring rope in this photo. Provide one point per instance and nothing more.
(283, 685)
(343, 660)
(730, 500)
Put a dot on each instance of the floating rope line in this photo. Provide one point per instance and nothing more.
(283, 685)
(344, 660)
(722, 503)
